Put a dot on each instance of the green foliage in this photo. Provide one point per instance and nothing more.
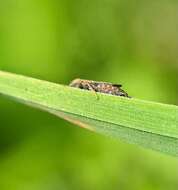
(149, 124)
(129, 42)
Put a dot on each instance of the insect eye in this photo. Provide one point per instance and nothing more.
(81, 86)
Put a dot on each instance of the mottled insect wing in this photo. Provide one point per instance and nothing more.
(98, 86)
(107, 83)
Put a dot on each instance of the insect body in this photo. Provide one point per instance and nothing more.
(103, 87)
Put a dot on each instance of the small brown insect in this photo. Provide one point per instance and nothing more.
(103, 87)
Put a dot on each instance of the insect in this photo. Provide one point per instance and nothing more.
(103, 87)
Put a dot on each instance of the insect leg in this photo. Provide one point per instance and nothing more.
(92, 88)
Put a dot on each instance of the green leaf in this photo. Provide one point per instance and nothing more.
(149, 124)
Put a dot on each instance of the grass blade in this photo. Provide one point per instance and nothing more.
(151, 125)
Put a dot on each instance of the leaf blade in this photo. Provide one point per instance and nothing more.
(148, 119)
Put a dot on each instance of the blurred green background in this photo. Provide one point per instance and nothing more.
(134, 43)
